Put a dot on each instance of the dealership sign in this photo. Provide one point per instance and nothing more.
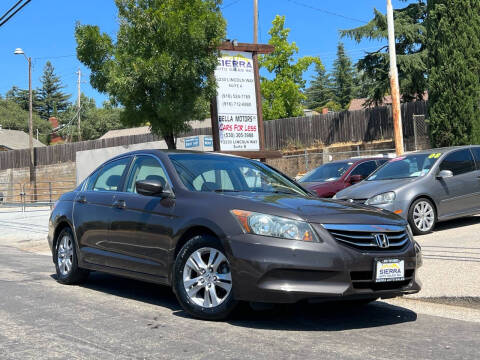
(236, 102)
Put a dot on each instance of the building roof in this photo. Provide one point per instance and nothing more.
(16, 139)
(195, 124)
(360, 104)
(126, 132)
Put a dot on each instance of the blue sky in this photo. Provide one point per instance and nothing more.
(44, 29)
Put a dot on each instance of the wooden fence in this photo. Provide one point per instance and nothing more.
(347, 126)
(67, 152)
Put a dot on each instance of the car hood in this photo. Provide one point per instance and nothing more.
(325, 211)
(367, 189)
(318, 184)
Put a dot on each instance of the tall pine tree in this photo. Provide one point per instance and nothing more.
(320, 91)
(51, 98)
(343, 78)
(454, 78)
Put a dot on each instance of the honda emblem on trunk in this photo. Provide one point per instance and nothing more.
(382, 240)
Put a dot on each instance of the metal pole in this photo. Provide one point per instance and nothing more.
(255, 21)
(30, 126)
(394, 85)
(78, 104)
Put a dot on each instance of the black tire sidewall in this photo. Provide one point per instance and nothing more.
(221, 311)
(76, 274)
(415, 230)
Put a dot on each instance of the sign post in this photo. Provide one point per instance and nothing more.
(236, 112)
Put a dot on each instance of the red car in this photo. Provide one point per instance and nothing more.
(330, 178)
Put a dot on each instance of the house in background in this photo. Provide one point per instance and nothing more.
(55, 138)
(15, 139)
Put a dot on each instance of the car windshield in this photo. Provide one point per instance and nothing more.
(200, 172)
(409, 166)
(327, 172)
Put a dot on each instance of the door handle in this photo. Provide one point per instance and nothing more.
(82, 199)
(120, 204)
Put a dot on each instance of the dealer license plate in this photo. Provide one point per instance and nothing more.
(390, 270)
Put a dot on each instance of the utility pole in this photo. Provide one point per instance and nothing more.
(78, 104)
(394, 84)
(255, 21)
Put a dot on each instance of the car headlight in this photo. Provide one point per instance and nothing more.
(275, 226)
(385, 198)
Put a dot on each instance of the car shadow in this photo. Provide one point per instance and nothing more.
(456, 223)
(295, 317)
(324, 317)
(137, 290)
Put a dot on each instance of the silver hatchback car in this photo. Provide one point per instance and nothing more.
(424, 187)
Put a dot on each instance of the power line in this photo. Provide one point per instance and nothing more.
(9, 10)
(15, 12)
(228, 5)
(328, 12)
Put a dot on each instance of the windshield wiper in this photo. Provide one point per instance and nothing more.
(225, 190)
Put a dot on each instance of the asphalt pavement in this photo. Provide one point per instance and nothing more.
(114, 318)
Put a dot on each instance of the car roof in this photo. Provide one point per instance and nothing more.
(171, 152)
(357, 160)
(440, 150)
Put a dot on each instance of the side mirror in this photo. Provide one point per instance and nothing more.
(444, 174)
(149, 187)
(355, 179)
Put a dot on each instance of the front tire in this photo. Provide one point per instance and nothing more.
(202, 279)
(422, 216)
(65, 259)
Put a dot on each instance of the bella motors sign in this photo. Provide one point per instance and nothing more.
(236, 102)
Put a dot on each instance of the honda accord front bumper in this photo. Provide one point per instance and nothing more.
(266, 269)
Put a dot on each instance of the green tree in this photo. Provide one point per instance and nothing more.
(410, 35)
(282, 95)
(160, 68)
(454, 63)
(13, 117)
(320, 91)
(343, 78)
(51, 99)
(21, 98)
(95, 121)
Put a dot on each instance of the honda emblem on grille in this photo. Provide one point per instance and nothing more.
(382, 240)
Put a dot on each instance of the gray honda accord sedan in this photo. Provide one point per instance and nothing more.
(221, 229)
(424, 187)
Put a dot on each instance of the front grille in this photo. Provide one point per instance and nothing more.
(356, 201)
(362, 280)
(363, 237)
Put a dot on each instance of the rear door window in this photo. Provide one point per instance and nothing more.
(458, 162)
(110, 176)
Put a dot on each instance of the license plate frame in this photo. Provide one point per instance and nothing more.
(397, 264)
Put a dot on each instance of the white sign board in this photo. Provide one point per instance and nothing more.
(236, 102)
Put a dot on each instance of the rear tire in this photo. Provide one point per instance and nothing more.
(65, 259)
(422, 216)
(202, 279)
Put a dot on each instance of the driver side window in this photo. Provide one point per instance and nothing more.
(145, 168)
(458, 162)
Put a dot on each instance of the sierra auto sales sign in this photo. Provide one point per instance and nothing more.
(236, 102)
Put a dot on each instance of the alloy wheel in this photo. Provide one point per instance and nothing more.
(423, 216)
(206, 277)
(65, 255)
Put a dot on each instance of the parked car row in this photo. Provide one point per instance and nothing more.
(423, 187)
(222, 229)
